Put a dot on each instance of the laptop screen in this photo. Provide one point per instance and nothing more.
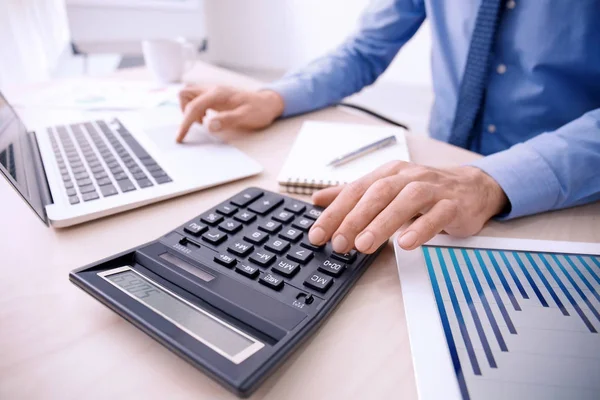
(16, 157)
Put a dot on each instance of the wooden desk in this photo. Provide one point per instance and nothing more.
(57, 342)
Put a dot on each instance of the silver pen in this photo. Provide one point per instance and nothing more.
(387, 141)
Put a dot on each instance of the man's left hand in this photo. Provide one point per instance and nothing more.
(365, 213)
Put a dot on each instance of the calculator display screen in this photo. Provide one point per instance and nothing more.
(217, 334)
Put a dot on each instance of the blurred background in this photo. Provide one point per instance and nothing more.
(48, 39)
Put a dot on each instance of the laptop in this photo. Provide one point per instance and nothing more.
(76, 172)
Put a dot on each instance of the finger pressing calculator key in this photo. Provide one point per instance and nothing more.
(235, 288)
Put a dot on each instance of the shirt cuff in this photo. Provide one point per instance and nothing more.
(296, 98)
(528, 181)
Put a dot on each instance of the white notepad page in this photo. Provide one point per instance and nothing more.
(318, 143)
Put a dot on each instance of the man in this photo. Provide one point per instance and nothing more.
(514, 73)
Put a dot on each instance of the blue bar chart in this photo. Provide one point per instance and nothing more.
(519, 324)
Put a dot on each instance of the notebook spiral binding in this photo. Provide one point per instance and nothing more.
(306, 186)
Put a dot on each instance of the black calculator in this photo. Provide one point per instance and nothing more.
(233, 291)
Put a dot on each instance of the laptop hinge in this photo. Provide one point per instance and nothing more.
(41, 178)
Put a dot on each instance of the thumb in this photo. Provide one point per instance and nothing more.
(227, 120)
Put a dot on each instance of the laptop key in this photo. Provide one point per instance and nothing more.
(71, 192)
(87, 189)
(139, 176)
(144, 183)
(73, 199)
(84, 182)
(100, 175)
(108, 190)
(104, 182)
(126, 185)
(90, 196)
(163, 179)
(121, 176)
(68, 184)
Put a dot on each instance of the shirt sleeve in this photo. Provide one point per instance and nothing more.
(550, 171)
(384, 28)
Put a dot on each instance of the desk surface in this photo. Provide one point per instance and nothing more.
(57, 342)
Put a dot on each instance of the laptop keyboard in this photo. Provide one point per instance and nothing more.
(95, 163)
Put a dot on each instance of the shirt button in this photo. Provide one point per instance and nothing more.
(510, 4)
(501, 69)
(491, 128)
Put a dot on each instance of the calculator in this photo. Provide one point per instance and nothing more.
(233, 291)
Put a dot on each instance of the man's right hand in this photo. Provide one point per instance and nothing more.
(236, 109)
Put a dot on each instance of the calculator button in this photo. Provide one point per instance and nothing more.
(247, 270)
(300, 254)
(262, 258)
(346, 257)
(332, 268)
(277, 246)
(291, 234)
(266, 204)
(256, 237)
(245, 217)
(303, 223)
(283, 216)
(240, 248)
(227, 210)
(195, 229)
(313, 213)
(225, 260)
(272, 281)
(230, 226)
(318, 282)
(270, 227)
(308, 245)
(214, 237)
(295, 207)
(286, 268)
(211, 218)
(246, 197)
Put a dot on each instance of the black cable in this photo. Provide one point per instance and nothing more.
(374, 114)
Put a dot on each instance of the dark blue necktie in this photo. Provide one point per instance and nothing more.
(473, 84)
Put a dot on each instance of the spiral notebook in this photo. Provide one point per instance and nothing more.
(306, 170)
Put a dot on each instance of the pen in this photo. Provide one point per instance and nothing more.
(387, 141)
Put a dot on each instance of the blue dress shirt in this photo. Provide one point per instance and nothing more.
(540, 127)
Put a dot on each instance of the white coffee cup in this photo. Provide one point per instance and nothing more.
(168, 59)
